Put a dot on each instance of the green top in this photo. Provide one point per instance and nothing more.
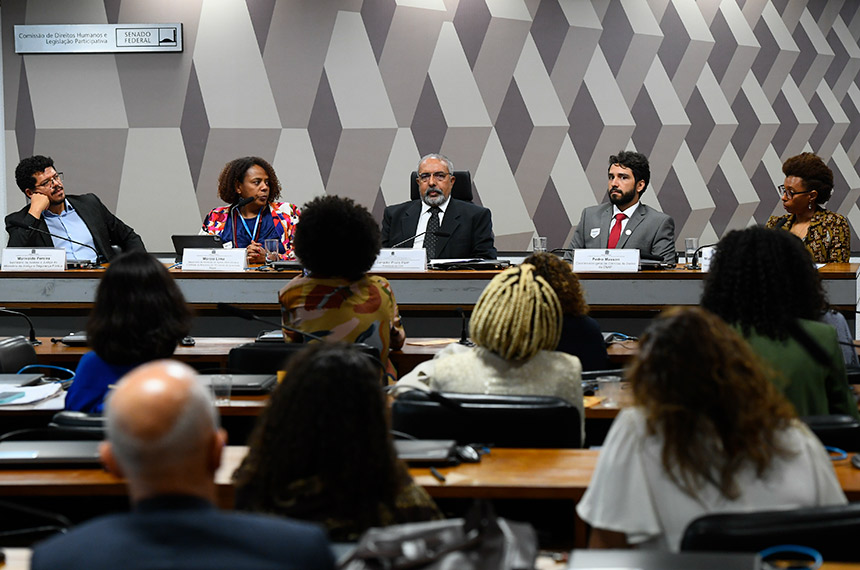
(813, 388)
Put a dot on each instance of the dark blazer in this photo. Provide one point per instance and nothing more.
(649, 231)
(470, 226)
(189, 533)
(105, 228)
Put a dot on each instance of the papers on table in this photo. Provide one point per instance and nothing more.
(16, 396)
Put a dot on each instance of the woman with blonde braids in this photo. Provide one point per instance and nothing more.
(516, 325)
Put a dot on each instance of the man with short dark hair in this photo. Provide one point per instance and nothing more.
(80, 218)
(624, 222)
(163, 437)
(465, 230)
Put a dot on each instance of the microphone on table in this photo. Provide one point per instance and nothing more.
(249, 316)
(243, 202)
(695, 262)
(464, 333)
(33, 339)
(20, 224)
(437, 233)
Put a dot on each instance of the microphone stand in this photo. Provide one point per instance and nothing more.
(33, 340)
(83, 264)
(464, 333)
(249, 316)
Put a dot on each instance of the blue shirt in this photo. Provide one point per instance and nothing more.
(266, 230)
(69, 224)
(93, 377)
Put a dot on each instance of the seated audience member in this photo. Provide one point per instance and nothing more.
(163, 438)
(707, 433)
(467, 227)
(337, 299)
(139, 315)
(516, 326)
(808, 186)
(764, 284)
(262, 218)
(580, 334)
(81, 218)
(625, 222)
(322, 450)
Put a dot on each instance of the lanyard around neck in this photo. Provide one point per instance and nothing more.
(253, 236)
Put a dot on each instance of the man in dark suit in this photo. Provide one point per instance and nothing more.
(446, 227)
(81, 218)
(162, 436)
(624, 222)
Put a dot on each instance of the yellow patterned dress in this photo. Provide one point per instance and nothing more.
(342, 310)
(828, 237)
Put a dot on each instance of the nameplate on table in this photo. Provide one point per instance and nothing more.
(397, 259)
(220, 259)
(606, 260)
(33, 259)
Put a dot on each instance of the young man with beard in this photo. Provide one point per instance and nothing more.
(624, 222)
(465, 230)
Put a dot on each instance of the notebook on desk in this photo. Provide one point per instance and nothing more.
(50, 453)
(205, 241)
(247, 384)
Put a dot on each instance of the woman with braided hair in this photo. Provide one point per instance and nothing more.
(516, 326)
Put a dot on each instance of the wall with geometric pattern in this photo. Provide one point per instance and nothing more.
(532, 96)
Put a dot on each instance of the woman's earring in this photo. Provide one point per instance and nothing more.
(810, 204)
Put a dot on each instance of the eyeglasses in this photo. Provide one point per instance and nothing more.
(58, 177)
(437, 176)
(783, 191)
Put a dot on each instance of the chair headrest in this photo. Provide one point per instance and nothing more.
(462, 189)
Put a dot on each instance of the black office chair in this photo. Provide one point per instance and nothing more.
(461, 190)
(16, 353)
(503, 421)
(840, 431)
(830, 530)
(23, 526)
(80, 422)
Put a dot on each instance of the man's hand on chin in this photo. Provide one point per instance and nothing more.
(38, 204)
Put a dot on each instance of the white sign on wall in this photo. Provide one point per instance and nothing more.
(98, 38)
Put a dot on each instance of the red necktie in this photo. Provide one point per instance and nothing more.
(615, 232)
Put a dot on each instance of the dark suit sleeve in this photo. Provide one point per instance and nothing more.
(386, 226)
(21, 237)
(118, 233)
(578, 239)
(664, 241)
(482, 235)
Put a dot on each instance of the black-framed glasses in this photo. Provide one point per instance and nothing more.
(437, 176)
(58, 177)
(783, 191)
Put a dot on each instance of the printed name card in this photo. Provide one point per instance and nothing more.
(33, 259)
(397, 259)
(606, 260)
(220, 259)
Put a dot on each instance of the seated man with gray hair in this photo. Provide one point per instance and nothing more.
(163, 437)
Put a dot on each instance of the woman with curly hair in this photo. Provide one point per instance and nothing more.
(580, 334)
(808, 186)
(337, 299)
(707, 433)
(322, 450)
(252, 181)
(139, 315)
(763, 283)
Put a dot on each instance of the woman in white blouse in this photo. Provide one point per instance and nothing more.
(708, 433)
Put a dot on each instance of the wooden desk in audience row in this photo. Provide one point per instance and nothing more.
(74, 290)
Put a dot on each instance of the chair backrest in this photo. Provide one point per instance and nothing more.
(16, 353)
(830, 530)
(461, 190)
(72, 421)
(840, 431)
(504, 421)
(261, 357)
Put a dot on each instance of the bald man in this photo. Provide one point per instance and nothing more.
(163, 437)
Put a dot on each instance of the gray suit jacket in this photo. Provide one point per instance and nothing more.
(649, 231)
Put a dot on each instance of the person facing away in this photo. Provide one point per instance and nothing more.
(707, 433)
(625, 222)
(322, 450)
(163, 438)
(80, 218)
(465, 229)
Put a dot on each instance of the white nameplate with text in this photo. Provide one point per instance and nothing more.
(98, 38)
(397, 259)
(34, 259)
(606, 260)
(203, 259)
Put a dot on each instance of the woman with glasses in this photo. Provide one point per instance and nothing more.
(250, 186)
(808, 186)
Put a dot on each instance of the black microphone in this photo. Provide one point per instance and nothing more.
(249, 316)
(437, 233)
(244, 202)
(780, 223)
(33, 339)
(695, 263)
(464, 333)
(20, 224)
